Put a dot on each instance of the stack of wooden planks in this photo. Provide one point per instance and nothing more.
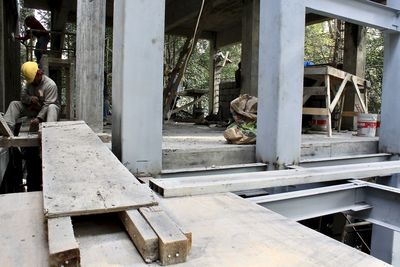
(81, 176)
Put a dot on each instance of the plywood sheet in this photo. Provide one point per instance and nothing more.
(82, 176)
(23, 238)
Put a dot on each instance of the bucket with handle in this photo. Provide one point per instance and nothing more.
(366, 124)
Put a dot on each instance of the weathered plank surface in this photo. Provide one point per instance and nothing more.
(227, 231)
(63, 247)
(142, 235)
(23, 238)
(173, 244)
(82, 176)
(235, 182)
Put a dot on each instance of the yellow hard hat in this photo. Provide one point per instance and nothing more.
(29, 70)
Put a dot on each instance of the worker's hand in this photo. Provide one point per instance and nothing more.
(34, 125)
(35, 100)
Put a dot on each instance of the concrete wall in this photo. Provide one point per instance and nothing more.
(9, 54)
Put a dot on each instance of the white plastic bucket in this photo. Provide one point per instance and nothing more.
(319, 123)
(366, 124)
(378, 125)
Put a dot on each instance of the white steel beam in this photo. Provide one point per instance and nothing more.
(363, 200)
(138, 84)
(361, 12)
(280, 80)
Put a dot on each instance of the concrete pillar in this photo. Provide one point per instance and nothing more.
(2, 67)
(354, 61)
(138, 84)
(280, 79)
(250, 42)
(389, 140)
(90, 35)
(212, 94)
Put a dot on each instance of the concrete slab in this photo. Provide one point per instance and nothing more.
(187, 145)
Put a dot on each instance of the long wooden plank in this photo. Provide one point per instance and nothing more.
(315, 111)
(235, 182)
(141, 234)
(339, 92)
(82, 176)
(20, 141)
(23, 235)
(173, 244)
(63, 247)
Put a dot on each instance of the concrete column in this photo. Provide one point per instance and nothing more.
(211, 71)
(2, 67)
(354, 61)
(280, 79)
(138, 84)
(385, 243)
(250, 42)
(90, 35)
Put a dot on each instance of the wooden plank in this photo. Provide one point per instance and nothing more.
(365, 110)
(350, 113)
(63, 247)
(328, 70)
(142, 235)
(4, 129)
(174, 187)
(23, 230)
(228, 231)
(339, 93)
(82, 176)
(328, 102)
(315, 90)
(173, 244)
(20, 141)
(315, 111)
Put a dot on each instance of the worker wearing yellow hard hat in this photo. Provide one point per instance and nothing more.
(39, 99)
(29, 70)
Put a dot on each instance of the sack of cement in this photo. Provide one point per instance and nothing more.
(244, 112)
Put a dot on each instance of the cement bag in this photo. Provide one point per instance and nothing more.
(243, 130)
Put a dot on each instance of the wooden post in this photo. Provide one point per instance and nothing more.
(90, 36)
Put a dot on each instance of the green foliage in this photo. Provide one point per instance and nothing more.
(374, 68)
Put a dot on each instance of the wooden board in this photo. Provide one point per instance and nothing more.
(23, 235)
(142, 235)
(227, 231)
(173, 244)
(20, 141)
(173, 187)
(82, 176)
(63, 247)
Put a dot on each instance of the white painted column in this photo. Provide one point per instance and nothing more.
(90, 34)
(280, 80)
(138, 47)
(385, 243)
(250, 42)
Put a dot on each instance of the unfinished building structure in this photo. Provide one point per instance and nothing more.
(227, 230)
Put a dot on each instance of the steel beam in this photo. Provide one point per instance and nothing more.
(361, 12)
(345, 160)
(374, 203)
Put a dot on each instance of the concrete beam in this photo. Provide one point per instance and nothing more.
(180, 11)
(280, 82)
(229, 36)
(90, 36)
(138, 84)
(358, 12)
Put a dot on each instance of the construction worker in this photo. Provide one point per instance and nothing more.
(39, 99)
(37, 30)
